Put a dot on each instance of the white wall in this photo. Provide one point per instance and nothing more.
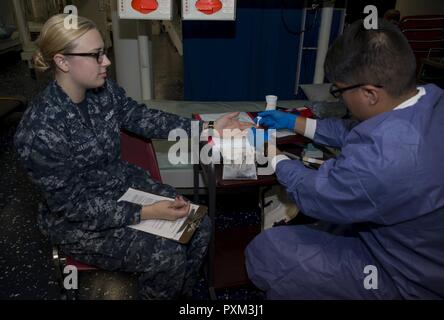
(415, 7)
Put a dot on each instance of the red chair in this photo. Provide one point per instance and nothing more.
(135, 150)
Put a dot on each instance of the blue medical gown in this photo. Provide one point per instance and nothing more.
(383, 201)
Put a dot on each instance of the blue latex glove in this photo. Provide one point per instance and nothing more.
(274, 119)
(257, 138)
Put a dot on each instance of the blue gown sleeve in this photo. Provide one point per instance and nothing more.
(50, 165)
(372, 180)
(332, 132)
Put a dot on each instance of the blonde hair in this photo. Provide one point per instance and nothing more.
(55, 38)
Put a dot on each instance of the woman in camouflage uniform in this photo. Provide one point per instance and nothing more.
(69, 142)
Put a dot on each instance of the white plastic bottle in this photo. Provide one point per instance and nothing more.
(271, 102)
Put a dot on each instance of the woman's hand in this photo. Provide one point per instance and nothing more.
(166, 210)
(230, 121)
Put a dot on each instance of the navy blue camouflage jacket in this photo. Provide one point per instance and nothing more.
(76, 163)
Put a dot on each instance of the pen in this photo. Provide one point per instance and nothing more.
(190, 219)
(304, 159)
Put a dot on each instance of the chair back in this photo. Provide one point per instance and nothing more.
(140, 152)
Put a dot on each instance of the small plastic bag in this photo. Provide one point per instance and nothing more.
(243, 171)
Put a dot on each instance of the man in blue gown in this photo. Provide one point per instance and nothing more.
(380, 203)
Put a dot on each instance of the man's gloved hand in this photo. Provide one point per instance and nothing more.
(274, 119)
(257, 138)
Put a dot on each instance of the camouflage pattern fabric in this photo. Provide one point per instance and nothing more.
(76, 164)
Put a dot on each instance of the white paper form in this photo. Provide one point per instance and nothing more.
(164, 228)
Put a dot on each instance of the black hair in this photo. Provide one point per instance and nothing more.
(377, 56)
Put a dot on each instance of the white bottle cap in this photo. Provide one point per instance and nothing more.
(271, 102)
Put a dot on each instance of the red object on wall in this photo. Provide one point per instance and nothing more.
(144, 6)
(208, 6)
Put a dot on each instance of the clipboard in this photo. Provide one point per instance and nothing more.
(192, 222)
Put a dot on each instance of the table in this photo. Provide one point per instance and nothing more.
(226, 260)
